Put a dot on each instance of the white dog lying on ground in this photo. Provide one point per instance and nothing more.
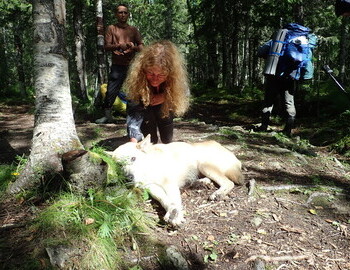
(164, 168)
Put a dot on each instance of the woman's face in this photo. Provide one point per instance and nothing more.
(156, 76)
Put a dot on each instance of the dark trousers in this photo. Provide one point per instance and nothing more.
(116, 79)
(278, 86)
(154, 121)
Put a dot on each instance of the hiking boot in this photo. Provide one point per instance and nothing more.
(262, 128)
(289, 126)
(108, 118)
(265, 120)
(102, 120)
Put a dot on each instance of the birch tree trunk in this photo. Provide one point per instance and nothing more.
(79, 39)
(54, 128)
(101, 59)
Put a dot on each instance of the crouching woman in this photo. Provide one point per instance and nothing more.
(157, 90)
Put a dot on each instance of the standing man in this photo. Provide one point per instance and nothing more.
(342, 7)
(123, 40)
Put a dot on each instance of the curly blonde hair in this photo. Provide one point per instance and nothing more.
(165, 55)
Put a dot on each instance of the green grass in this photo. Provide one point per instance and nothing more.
(7, 174)
(101, 223)
(114, 173)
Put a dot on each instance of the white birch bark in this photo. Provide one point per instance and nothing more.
(54, 128)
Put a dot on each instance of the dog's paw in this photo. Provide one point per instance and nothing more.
(216, 196)
(205, 181)
(174, 217)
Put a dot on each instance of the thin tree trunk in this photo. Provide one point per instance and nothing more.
(20, 65)
(80, 49)
(169, 28)
(245, 57)
(234, 51)
(101, 58)
(54, 129)
(298, 11)
(193, 21)
(213, 64)
(343, 48)
(222, 7)
(4, 78)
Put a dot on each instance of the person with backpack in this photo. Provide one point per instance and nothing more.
(342, 7)
(288, 61)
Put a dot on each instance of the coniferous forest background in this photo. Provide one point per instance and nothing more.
(219, 39)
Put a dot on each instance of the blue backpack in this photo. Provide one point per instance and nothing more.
(293, 58)
(297, 53)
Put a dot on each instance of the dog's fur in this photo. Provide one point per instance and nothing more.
(164, 168)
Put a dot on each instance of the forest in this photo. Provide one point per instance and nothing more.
(66, 203)
(219, 38)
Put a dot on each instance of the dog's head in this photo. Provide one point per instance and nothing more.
(132, 156)
(131, 151)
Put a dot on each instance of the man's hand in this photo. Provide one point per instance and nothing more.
(130, 47)
(125, 48)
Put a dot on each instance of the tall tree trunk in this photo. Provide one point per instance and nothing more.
(222, 27)
(169, 10)
(4, 78)
(193, 21)
(234, 38)
(213, 64)
(245, 56)
(101, 58)
(255, 61)
(343, 47)
(20, 65)
(80, 49)
(54, 129)
(298, 10)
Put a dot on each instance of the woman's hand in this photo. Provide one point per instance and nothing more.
(157, 99)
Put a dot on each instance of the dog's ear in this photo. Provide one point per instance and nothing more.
(145, 143)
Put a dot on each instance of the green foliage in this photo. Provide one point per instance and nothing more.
(115, 173)
(101, 222)
(318, 180)
(343, 146)
(230, 133)
(135, 268)
(301, 146)
(7, 174)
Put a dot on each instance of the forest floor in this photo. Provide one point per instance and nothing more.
(296, 217)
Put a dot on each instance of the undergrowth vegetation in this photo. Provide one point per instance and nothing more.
(95, 228)
(323, 114)
(103, 224)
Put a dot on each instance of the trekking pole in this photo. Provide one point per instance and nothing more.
(328, 70)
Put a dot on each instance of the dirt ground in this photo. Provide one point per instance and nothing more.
(293, 213)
